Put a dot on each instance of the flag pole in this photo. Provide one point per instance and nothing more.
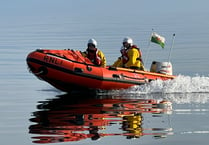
(171, 48)
(148, 48)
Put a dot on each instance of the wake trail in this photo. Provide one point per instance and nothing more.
(182, 89)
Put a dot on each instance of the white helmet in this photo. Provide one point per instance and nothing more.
(128, 40)
(92, 41)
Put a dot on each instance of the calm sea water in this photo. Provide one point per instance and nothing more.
(34, 112)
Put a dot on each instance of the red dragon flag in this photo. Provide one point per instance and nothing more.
(158, 39)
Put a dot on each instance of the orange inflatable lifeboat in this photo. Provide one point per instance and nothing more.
(68, 69)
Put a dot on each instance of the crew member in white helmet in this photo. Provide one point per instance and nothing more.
(94, 54)
(131, 56)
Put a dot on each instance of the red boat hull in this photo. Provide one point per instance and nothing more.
(68, 69)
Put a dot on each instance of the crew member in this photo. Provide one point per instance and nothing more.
(94, 54)
(131, 56)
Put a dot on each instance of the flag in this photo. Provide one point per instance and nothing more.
(158, 39)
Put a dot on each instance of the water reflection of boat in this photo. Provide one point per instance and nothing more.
(64, 120)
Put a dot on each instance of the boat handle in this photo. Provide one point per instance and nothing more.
(116, 76)
(79, 70)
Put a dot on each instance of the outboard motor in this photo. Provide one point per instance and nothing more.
(162, 67)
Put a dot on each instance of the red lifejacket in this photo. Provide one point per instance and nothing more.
(93, 56)
(124, 53)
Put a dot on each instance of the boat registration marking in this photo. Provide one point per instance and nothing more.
(53, 60)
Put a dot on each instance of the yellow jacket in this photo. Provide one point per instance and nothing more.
(100, 55)
(134, 60)
(118, 63)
